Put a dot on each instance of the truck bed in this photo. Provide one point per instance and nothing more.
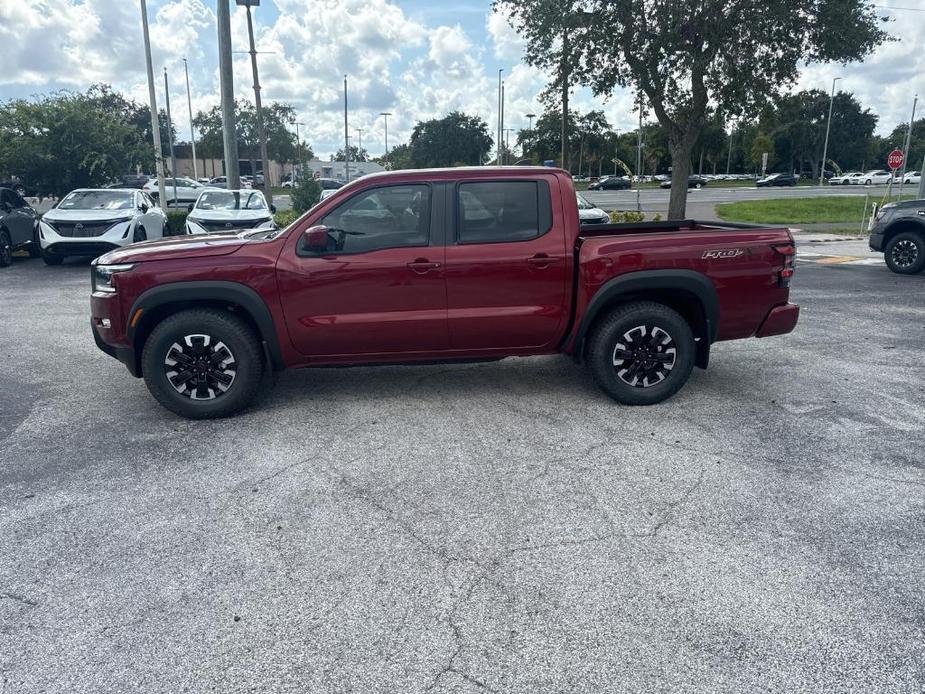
(623, 229)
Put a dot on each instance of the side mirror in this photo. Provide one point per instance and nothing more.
(273, 209)
(316, 239)
(190, 207)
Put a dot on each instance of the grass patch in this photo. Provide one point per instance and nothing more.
(795, 210)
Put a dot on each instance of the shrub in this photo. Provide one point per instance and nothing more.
(306, 192)
(285, 217)
(176, 223)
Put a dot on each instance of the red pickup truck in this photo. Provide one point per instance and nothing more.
(438, 265)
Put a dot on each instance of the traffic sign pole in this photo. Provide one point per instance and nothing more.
(895, 161)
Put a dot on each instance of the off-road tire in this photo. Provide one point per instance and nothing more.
(6, 248)
(222, 327)
(905, 253)
(611, 331)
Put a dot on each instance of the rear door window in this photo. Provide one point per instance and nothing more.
(502, 211)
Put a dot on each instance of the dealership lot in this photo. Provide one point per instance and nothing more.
(496, 526)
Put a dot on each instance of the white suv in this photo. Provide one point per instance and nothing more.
(218, 211)
(89, 222)
(178, 190)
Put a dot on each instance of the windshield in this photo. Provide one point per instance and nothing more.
(231, 200)
(97, 200)
(584, 204)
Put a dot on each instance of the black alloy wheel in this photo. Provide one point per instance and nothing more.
(641, 353)
(200, 367)
(203, 363)
(644, 356)
(905, 253)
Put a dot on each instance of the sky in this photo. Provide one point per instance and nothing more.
(417, 59)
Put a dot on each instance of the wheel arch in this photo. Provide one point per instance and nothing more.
(690, 293)
(903, 225)
(162, 301)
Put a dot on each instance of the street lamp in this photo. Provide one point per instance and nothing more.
(530, 117)
(386, 115)
(828, 126)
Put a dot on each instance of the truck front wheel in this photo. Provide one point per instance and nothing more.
(641, 353)
(202, 363)
(905, 253)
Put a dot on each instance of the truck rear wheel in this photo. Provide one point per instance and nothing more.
(202, 364)
(641, 353)
(905, 253)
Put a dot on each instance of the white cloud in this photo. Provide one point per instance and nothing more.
(417, 63)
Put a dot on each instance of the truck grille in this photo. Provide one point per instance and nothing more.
(84, 230)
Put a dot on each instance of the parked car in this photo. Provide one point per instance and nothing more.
(222, 182)
(326, 193)
(899, 233)
(227, 210)
(611, 183)
(777, 179)
(842, 179)
(18, 227)
(912, 177)
(15, 183)
(178, 190)
(873, 177)
(589, 214)
(132, 181)
(91, 221)
(692, 182)
(507, 269)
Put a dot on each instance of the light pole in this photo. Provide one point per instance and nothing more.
(498, 130)
(346, 137)
(192, 132)
(507, 140)
(902, 180)
(173, 155)
(530, 117)
(386, 115)
(500, 151)
(226, 80)
(261, 130)
(828, 126)
(152, 105)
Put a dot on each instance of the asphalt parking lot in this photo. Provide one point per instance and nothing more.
(495, 527)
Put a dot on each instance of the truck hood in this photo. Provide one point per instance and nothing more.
(198, 246)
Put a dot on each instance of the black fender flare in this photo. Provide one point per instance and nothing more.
(213, 290)
(901, 224)
(644, 282)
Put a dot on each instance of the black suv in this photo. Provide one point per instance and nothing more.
(18, 226)
(899, 233)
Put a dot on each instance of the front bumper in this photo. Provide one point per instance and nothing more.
(779, 321)
(54, 243)
(126, 355)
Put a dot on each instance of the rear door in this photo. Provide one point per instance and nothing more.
(17, 216)
(378, 289)
(506, 265)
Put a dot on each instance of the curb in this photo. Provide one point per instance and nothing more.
(796, 230)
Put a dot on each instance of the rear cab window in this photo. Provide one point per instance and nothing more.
(502, 211)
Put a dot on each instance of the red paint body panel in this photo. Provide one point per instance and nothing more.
(481, 300)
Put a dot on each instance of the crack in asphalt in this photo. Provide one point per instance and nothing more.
(18, 598)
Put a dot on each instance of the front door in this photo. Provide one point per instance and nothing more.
(506, 269)
(378, 289)
(17, 216)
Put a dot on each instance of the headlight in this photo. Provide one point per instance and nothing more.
(102, 277)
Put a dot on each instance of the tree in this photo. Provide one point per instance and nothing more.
(356, 154)
(690, 56)
(399, 158)
(71, 140)
(281, 141)
(454, 140)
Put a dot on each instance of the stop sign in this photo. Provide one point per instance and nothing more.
(896, 159)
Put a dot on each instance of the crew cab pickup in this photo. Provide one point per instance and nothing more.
(438, 265)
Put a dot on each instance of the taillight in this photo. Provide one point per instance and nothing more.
(789, 252)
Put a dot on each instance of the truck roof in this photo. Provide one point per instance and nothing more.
(454, 172)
